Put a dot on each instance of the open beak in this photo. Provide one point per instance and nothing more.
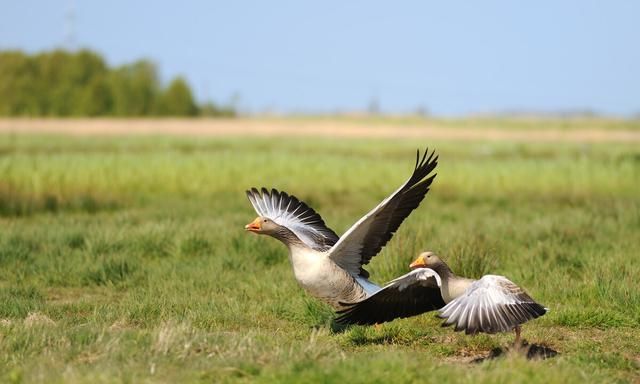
(254, 226)
(418, 263)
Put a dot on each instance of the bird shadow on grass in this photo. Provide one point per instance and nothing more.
(359, 335)
(529, 351)
(336, 327)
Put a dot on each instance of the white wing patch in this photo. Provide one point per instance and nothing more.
(294, 214)
(491, 304)
(413, 277)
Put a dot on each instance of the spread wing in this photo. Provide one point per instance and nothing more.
(367, 237)
(491, 304)
(412, 294)
(294, 214)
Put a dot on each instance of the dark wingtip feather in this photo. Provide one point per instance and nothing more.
(252, 193)
(421, 161)
(539, 310)
(446, 322)
(424, 155)
(348, 317)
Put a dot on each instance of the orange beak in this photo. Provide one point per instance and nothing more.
(418, 263)
(254, 226)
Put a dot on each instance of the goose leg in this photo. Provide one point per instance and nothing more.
(517, 343)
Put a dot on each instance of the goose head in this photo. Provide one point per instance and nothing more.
(263, 225)
(427, 260)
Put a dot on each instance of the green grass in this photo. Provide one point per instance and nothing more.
(125, 259)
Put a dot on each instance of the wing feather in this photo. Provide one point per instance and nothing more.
(491, 304)
(411, 294)
(372, 232)
(294, 214)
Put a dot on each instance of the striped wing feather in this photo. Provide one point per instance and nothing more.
(288, 211)
(490, 305)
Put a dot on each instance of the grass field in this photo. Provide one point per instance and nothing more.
(124, 259)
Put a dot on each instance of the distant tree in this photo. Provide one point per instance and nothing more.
(62, 83)
(135, 89)
(18, 93)
(210, 109)
(63, 78)
(96, 99)
(177, 100)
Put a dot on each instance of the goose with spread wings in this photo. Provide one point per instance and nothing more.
(329, 267)
(491, 304)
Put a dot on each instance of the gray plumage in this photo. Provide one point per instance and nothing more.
(491, 304)
(328, 267)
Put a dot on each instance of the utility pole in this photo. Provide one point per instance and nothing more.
(70, 26)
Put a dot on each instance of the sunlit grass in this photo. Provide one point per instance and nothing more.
(124, 259)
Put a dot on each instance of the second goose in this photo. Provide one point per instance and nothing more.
(491, 304)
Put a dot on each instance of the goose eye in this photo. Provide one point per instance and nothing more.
(265, 220)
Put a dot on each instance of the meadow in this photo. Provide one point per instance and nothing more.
(124, 258)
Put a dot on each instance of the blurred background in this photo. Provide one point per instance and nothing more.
(212, 58)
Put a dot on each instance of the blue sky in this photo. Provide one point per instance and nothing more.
(452, 58)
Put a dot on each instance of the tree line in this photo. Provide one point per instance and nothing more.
(63, 83)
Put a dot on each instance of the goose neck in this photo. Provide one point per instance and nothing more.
(444, 272)
(288, 238)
